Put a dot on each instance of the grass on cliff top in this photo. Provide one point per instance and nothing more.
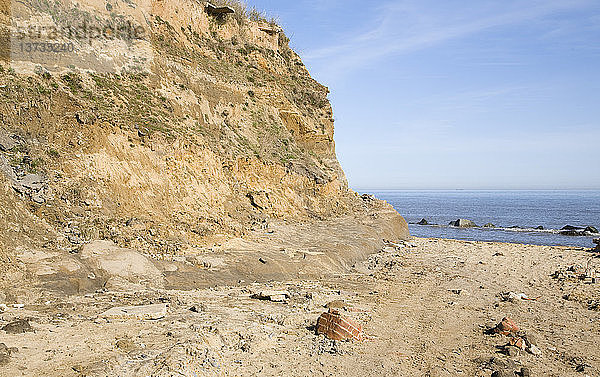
(243, 12)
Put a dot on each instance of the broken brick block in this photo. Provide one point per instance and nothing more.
(335, 326)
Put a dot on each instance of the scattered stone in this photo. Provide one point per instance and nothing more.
(196, 309)
(336, 304)
(218, 11)
(534, 350)
(85, 117)
(259, 199)
(597, 242)
(275, 296)
(335, 326)
(126, 345)
(511, 351)
(6, 142)
(517, 342)
(525, 372)
(498, 254)
(263, 261)
(500, 364)
(5, 353)
(423, 222)
(145, 312)
(507, 327)
(503, 373)
(19, 326)
(463, 223)
(582, 368)
(3, 308)
(530, 340)
(33, 181)
(329, 346)
(515, 297)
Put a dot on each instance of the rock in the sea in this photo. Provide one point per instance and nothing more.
(423, 222)
(489, 225)
(570, 227)
(335, 326)
(597, 242)
(540, 228)
(463, 223)
(591, 229)
(572, 233)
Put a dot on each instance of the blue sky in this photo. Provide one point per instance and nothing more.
(456, 94)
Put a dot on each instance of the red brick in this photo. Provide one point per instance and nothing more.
(337, 327)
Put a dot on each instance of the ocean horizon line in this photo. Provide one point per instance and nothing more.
(472, 190)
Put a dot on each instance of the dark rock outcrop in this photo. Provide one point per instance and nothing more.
(463, 223)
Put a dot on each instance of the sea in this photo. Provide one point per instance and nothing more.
(515, 214)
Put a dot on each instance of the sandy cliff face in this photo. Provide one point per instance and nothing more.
(196, 129)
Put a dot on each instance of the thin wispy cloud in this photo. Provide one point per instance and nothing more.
(406, 26)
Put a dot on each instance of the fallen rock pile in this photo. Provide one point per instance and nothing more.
(577, 273)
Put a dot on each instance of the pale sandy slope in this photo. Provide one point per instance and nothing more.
(425, 309)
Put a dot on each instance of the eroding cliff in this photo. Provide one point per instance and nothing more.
(198, 129)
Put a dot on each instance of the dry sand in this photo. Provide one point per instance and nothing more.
(425, 306)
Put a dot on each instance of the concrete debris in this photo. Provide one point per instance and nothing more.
(515, 297)
(275, 296)
(145, 312)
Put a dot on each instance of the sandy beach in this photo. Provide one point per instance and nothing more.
(426, 306)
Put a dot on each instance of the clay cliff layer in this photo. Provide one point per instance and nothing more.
(160, 127)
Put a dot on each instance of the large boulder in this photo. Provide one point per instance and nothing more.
(463, 223)
(121, 266)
